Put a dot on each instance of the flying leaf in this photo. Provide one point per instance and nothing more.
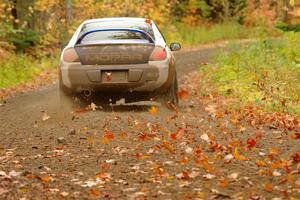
(173, 136)
(109, 135)
(93, 106)
(182, 94)
(153, 110)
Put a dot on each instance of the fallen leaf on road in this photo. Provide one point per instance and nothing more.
(45, 116)
(251, 143)
(228, 158)
(268, 187)
(296, 157)
(169, 147)
(233, 176)
(238, 156)
(260, 163)
(94, 192)
(205, 137)
(209, 176)
(223, 183)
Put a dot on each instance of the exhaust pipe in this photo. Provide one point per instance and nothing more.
(87, 93)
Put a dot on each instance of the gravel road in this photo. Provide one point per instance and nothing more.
(125, 152)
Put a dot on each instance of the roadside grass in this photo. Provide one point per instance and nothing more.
(265, 73)
(21, 68)
(191, 36)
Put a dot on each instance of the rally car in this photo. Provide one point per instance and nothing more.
(119, 55)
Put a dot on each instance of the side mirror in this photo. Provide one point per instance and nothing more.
(175, 46)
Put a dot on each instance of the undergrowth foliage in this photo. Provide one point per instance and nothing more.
(266, 72)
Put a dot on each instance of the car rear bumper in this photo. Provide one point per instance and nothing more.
(115, 78)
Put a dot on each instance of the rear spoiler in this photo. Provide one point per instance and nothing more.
(145, 34)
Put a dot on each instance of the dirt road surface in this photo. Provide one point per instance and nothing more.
(127, 152)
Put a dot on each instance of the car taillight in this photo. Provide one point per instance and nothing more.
(159, 53)
(70, 55)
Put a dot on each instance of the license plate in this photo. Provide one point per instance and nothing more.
(114, 76)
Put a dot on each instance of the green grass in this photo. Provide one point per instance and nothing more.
(21, 68)
(189, 36)
(266, 73)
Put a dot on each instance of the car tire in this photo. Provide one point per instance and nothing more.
(171, 95)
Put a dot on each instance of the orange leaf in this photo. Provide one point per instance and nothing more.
(95, 193)
(46, 179)
(206, 165)
(169, 147)
(109, 135)
(277, 164)
(273, 151)
(123, 135)
(260, 163)
(105, 140)
(268, 187)
(182, 94)
(185, 175)
(237, 156)
(223, 183)
(153, 110)
(183, 160)
(297, 135)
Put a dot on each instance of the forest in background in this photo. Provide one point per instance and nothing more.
(49, 23)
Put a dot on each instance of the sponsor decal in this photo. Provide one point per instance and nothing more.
(113, 58)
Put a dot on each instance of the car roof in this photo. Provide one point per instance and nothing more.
(134, 19)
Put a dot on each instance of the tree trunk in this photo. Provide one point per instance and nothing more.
(14, 12)
(69, 12)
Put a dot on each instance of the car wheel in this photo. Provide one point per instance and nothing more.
(171, 95)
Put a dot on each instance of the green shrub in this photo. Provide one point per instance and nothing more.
(20, 68)
(188, 35)
(264, 72)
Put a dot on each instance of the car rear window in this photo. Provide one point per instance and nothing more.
(112, 35)
(116, 35)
